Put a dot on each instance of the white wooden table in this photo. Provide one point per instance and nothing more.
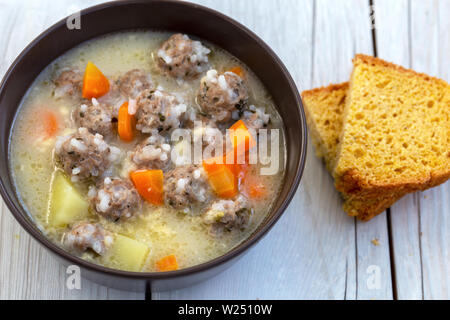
(315, 251)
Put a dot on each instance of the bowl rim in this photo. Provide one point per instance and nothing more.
(236, 251)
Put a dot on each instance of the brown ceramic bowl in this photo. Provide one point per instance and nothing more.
(163, 15)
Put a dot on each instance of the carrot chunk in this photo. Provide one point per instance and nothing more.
(48, 124)
(238, 70)
(149, 184)
(221, 178)
(126, 123)
(225, 174)
(168, 263)
(241, 138)
(95, 84)
(256, 190)
(213, 164)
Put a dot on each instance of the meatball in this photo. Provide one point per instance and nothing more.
(182, 58)
(86, 235)
(115, 199)
(227, 215)
(96, 117)
(255, 118)
(84, 155)
(114, 99)
(69, 82)
(206, 131)
(132, 83)
(210, 135)
(153, 153)
(185, 186)
(158, 110)
(220, 95)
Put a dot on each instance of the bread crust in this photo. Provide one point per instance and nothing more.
(325, 89)
(366, 209)
(377, 61)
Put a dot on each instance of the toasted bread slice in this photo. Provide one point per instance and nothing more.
(396, 131)
(324, 109)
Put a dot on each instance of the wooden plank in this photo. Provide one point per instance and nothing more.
(435, 242)
(322, 245)
(287, 262)
(430, 43)
(415, 34)
(343, 31)
(317, 260)
(392, 29)
(27, 271)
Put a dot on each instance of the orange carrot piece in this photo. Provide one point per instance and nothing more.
(224, 183)
(238, 170)
(216, 163)
(50, 123)
(238, 70)
(125, 124)
(221, 178)
(168, 263)
(149, 184)
(213, 164)
(253, 185)
(239, 134)
(95, 84)
(257, 191)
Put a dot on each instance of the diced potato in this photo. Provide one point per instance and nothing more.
(66, 205)
(182, 152)
(127, 254)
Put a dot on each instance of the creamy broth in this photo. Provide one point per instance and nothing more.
(163, 229)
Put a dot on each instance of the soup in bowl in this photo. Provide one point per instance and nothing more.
(126, 151)
(149, 157)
